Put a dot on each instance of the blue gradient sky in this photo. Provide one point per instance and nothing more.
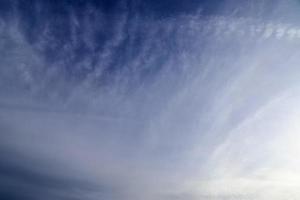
(144, 99)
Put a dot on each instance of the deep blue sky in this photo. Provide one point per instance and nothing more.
(68, 34)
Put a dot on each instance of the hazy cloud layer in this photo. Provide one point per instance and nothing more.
(148, 100)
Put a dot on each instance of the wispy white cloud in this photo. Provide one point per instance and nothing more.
(196, 107)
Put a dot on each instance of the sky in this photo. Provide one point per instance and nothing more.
(149, 99)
